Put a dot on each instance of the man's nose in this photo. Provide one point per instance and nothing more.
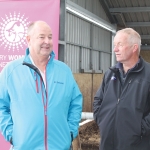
(47, 40)
(116, 48)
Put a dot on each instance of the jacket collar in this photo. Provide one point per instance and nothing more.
(27, 58)
(27, 61)
(138, 67)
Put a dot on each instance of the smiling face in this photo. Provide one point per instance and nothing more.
(40, 40)
(123, 48)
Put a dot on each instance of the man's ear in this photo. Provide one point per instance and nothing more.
(28, 39)
(135, 48)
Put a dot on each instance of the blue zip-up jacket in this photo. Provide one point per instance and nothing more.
(34, 116)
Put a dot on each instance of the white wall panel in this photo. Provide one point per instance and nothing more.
(72, 57)
(85, 59)
(78, 30)
(88, 46)
(105, 61)
(95, 60)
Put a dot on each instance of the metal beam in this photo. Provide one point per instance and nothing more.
(88, 16)
(137, 24)
(145, 36)
(147, 47)
(122, 18)
(62, 29)
(129, 9)
(106, 9)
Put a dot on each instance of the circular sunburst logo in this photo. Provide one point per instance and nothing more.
(13, 31)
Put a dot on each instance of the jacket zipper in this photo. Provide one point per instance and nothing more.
(45, 108)
(44, 102)
(117, 106)
(118, 100)
(36, 82)
(122, 91)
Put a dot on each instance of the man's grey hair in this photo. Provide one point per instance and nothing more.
(134, 37)
(30, 28)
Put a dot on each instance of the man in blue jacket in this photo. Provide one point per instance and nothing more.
(122, 103)
(40, 102)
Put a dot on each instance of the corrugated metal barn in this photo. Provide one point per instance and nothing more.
(87, 29)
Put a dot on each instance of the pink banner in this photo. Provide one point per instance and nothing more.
(15, 16)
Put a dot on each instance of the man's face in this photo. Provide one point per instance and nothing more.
(40, 41)
(122, 47)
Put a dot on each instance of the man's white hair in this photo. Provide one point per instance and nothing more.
(134, 37)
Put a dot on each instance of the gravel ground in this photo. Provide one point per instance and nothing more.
(89, 136)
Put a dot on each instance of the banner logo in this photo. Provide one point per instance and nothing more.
(13, 31)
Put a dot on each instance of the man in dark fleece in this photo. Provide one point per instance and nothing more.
(122, 103)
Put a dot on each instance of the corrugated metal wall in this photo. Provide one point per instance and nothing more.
(92, 6)
(78, 43)
(102, 43)
(88, 46)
